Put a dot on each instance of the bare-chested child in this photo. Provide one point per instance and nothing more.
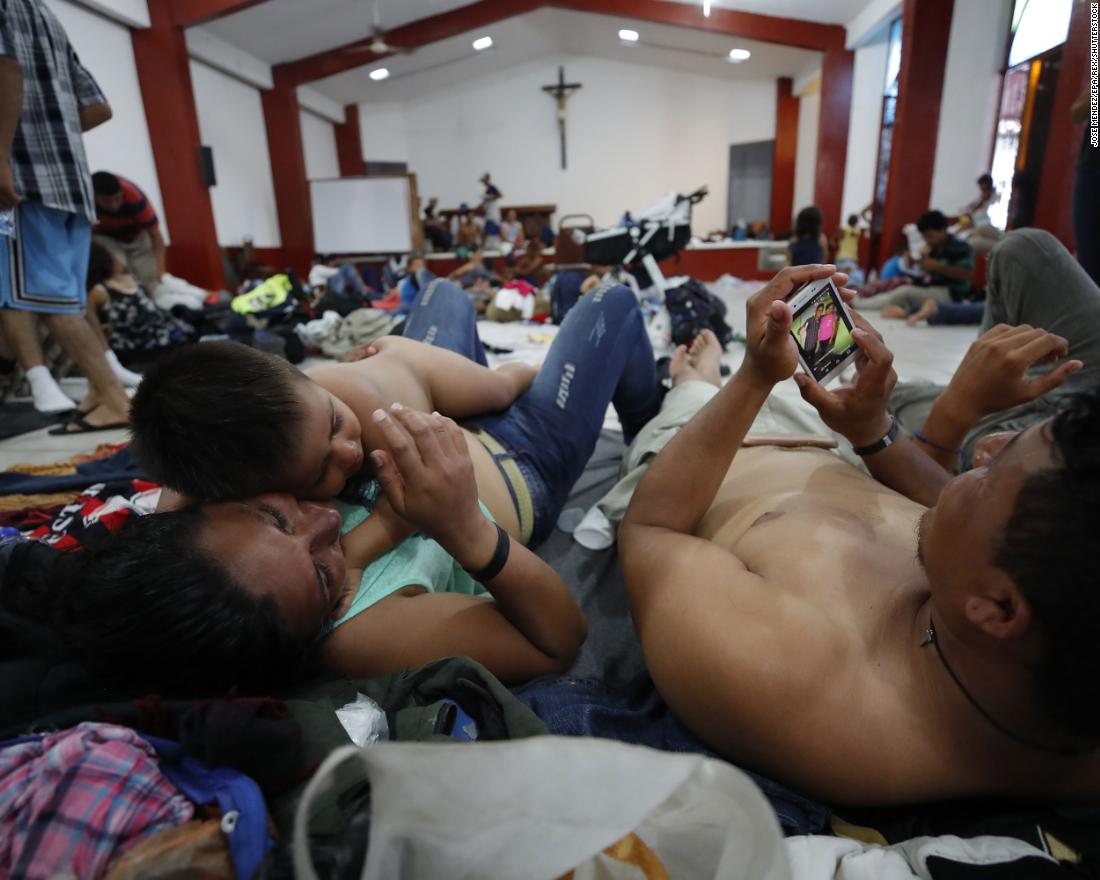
(242, 588)
(877, 639)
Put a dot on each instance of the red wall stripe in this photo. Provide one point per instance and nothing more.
(916, 123)
(164, 74)
(783, 162)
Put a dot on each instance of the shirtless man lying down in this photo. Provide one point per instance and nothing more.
(880, 640)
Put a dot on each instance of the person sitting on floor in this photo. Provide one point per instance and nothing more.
(223, 421)
(809, 244)
(125, 317)
(127, 225)
(467, 230)
(948, 264)
(945, 627)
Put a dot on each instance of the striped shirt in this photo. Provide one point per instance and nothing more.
(133, 216)
(47, 153)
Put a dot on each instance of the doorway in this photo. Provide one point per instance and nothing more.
(750, 183)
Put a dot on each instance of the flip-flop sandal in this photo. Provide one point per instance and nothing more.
(84, 427)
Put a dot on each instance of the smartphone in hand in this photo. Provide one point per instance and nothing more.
(822, 330)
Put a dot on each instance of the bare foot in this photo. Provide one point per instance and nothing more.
(925, 312)
(706, 357)
(90, 402)
(101, 416)
(893, 313)
(680, 369)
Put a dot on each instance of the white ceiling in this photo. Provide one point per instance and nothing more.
(284, 30)
(550, 31)
(822, 11)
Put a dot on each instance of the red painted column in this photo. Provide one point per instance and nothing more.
(349, 144)
(164, 73)
(832, 130)
(786, 147)
(1054, 205)
(288, 171)
(920, 86)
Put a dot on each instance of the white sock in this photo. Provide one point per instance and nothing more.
(48, 396)
(126, 377)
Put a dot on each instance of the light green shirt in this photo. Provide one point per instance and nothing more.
(416, 561)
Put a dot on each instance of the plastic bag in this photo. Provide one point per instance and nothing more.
(535, 809)
(364, 721)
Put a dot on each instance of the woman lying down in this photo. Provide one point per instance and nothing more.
(259, 592)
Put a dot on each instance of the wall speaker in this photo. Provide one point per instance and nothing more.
(206, 166)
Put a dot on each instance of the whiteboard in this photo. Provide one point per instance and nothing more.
(361, 215)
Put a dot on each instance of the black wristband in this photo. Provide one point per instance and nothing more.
(499, 560)
(887, 440)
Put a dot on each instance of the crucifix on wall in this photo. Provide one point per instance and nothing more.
(560, 92)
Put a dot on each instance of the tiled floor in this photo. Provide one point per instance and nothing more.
(920, 353)
(38, 447)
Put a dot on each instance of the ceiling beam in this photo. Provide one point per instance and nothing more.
(407, 36)
(794, 32)
(188, 13)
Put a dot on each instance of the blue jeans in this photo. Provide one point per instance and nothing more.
(586, 707)
(442, 315)
(601, 355)
(958, 313)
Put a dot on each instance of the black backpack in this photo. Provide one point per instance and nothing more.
(692, 309)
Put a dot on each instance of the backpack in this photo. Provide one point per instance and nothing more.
(692, 309)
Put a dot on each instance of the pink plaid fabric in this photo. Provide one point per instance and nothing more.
(71, 802)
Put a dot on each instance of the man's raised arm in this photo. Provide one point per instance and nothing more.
(681, 482)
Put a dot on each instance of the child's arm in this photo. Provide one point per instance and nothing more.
(456, 386)
(373, 538)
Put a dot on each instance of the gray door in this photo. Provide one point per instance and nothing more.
(750, 186)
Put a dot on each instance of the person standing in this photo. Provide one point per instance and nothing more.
(128, 227)
(47, 100)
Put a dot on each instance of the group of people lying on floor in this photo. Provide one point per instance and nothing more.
(886, 634)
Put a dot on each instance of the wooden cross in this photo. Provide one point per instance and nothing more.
(560, 92)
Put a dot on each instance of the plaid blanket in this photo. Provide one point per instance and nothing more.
(72, 801)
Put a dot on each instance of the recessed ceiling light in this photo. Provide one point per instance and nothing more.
(628, 36)
(483, 43)
(739, 55)
(379, 74)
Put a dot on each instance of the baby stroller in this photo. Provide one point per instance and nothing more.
(658, 232)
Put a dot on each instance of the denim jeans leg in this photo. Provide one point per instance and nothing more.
(442, 315)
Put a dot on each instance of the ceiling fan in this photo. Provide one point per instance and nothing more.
(377, 44)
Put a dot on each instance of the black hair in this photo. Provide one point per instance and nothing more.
(986, 180)
(808, 223)
(218, 420)
(1048, 550)
(853, 219)
(101, 265)
(931, 220)
(146, 609)
(106, 184)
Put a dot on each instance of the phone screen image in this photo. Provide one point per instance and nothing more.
(823, 333)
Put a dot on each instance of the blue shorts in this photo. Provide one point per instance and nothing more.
(45, 267)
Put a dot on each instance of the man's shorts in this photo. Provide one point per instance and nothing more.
(44, 268)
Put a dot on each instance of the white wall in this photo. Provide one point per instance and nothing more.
(231, 120)
(382, 133)
(805, 160)
(968, 109)
(864, 127)
(634, 133)
(319, 145)
(121, 145)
